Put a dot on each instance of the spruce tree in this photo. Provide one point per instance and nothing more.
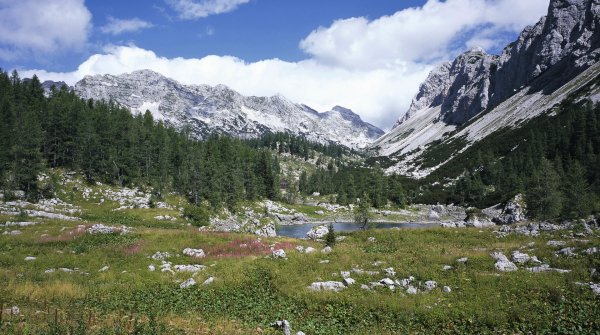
(543, 196)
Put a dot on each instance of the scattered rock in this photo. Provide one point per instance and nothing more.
(514, 211)
(266, 231)
(371, 239)
(519, 257)
(325, 261)
(199, 253)
(387, 282)
(300, 249)
(320, 212)
(189, 268)
(447, 267)
(102, 229)
(390, 271)
(160, 256)
(278, 253)
(591, 251)
(188, 283)
(283, 325)
(209, 281)
(546, 268)
(447, 289)
(335, 286)
(502, 263)
(430, 285)
(151, 268)
(30, 258)
(462, 260)
(349, 281)
(317, 232)
(327, 250)
(569, 252)
(104, 268)
(411, 290)
(556, 243)
(309, 250)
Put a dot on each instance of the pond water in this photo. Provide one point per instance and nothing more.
(300, 230)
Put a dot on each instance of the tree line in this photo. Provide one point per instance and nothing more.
(553, 160)
(106, 143)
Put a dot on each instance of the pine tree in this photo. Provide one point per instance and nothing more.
(578, 200)
(362, 213)
(543, 196)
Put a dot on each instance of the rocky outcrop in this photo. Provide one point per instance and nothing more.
(513, 212)
(317, 232)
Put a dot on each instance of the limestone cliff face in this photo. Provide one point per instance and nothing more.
(566, 41)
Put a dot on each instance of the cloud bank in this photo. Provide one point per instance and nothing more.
(371, 66)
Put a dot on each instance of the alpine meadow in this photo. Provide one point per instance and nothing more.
(178, 168)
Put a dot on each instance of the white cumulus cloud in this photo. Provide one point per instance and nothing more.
(116, 26)
(373, 67)
(420, 34)
(38, 26)
(195, 9)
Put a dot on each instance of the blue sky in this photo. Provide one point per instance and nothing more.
(369, 56)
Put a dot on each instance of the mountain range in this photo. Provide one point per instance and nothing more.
(206, 109)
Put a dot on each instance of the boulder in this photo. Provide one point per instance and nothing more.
(151, 268)
(556, 243)
(478, 221)
(335, 286)
(188, 283)
(519, 257)
(327, 250)
(514, 211)
(317, 232)
(189, 268)
(447, 289)
(430, 285)
(502, 262)
(569, 252)
(349, 281)
(411, 290)
(30, 258)
(266, 231)
(462, 260)
(283, 325)
(546, 268)
(309, 250)
(104, 269)
(371, 239)
(199, 253)
(209, 281)
(278, 253)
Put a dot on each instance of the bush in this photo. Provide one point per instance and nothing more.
(199, 215)
(330, 237)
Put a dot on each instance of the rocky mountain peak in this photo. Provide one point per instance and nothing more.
(569, 36)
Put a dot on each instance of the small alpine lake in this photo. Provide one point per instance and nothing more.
(300, 230)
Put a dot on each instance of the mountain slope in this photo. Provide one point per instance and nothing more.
(206, 109)
(466, 100)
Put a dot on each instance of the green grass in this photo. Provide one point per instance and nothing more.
(251, 291)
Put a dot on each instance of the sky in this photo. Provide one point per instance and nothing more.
(366, 55)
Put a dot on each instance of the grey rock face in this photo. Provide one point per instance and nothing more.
(206, 109)
(569, 34)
